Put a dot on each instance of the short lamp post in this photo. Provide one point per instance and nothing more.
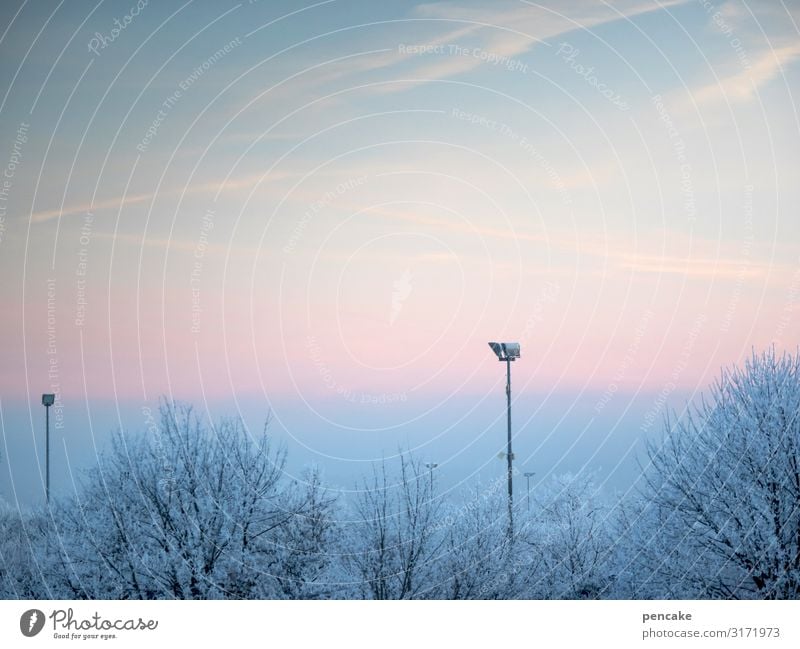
(47, 401)
(431, 466)
(528, 475)
(508, 352)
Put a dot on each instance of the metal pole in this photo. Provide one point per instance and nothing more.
(510, 455)
(431, 466)
(47, 451)
(528, 478)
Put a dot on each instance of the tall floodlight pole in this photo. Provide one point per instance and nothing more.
(508, 352)
(509, 455)
(47, 401)
(528, 476)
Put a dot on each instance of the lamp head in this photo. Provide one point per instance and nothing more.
(48, 399)
(506, 351)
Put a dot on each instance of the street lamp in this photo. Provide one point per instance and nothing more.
(47, 401)
(508, 352)
(528, 475)
(431, 466)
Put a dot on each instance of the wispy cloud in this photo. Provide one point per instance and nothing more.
(763, 42)
(176, 244)
(509, 29)
(501, 29)
(540, 21)
(714, 267)
(744, 85)
(83, 208)
(613, 250)
(118, 202)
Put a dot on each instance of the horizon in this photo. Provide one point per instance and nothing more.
(325, 212)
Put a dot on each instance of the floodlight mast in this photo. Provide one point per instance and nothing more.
(47, 401)
(508, 352)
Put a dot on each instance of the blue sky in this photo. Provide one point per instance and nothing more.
(327, 209)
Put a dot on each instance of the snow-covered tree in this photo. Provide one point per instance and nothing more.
(641, 552)
(724, 487)
(300, 555)
(390, 546)
(188, 512)
(474, 560)
(568, 540)
(198, 510)
(22, 541)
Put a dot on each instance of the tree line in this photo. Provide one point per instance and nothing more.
(189, 510)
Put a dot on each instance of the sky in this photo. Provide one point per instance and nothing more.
(324, 211)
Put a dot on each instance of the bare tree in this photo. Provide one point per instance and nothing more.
(300, 553)
(393, 541)
(568, 538)
(23, 573)
(724, 486)
(476, 557)
(188, 512)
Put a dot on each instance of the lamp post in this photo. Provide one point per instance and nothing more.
(508, 352)
(431, 466)
(528, 475)
(47, 401)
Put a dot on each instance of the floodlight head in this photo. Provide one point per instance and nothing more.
(506, 351)
(48, 399)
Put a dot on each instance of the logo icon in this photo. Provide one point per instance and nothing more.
(402, 289)
(31, 622)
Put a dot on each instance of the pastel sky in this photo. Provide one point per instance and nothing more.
(328, 209)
